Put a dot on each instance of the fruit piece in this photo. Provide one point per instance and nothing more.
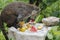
(21, 23)
(28, 25)
(33, 29)
(22, 29)
(39, 28)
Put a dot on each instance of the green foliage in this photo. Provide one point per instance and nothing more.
(1, 36)
(39, 18)
(49, 2)
(52, 10)
(54, 33)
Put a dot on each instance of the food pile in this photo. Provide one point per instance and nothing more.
(31, 26)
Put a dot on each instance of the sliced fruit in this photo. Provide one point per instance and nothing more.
(33, 29)
(39, 28)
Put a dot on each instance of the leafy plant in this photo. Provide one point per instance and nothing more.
(54, 34)
(52, 10)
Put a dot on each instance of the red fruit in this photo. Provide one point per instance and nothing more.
(33, 29)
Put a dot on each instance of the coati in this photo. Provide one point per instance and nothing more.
(15, 12)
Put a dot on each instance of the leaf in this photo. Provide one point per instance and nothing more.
(39, 18)
(50, 35)
(54, 34)
(57, 37)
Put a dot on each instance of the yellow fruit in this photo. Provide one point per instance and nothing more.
(39, 28)
(28, 25)
(21, 23)
(22, 29)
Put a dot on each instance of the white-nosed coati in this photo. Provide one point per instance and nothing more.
(15, 12)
